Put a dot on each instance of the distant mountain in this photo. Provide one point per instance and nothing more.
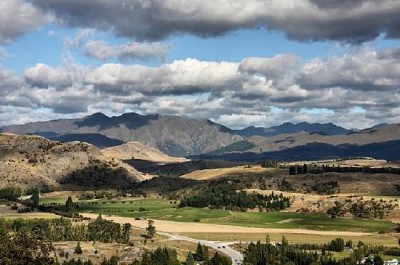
(380, 143)
(95, 139)
(318, 151)
(288, 127)
(27, 161)
(175, 136)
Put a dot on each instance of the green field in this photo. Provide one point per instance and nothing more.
(167, 210)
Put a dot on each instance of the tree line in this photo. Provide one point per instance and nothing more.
(228, 197)
(283, 253)
(62, 229)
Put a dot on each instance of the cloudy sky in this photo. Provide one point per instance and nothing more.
(236, 62)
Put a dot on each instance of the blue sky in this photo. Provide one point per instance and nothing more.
(238, 63)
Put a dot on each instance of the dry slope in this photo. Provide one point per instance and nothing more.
(27, 161)
(136, 150)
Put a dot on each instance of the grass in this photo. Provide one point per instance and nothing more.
(166, 210)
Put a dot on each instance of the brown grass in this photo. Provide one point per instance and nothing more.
(207, 174)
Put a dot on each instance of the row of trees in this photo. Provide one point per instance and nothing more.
(62, 230)
(313, 254)
(226, 196)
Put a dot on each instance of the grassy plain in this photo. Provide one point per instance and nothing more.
(162, 209)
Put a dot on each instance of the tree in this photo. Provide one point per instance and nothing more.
(378, 260)
(125, 233)
(150, 229)
(35, 197)
(69, 205)
(349, 244)
(78, 249)
(199, 254)
(189, 259)
(219, 260)
(24, 249)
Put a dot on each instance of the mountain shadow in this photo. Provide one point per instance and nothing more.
(95, 139)
(318, 151)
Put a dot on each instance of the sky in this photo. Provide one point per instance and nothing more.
(235, 62)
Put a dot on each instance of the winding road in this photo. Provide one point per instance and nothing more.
(236, 256)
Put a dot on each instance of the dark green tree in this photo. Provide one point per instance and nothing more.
(189, 259)
(70, 205)
(217, 259)
(78, 249)
(199, 254)
(378, 260)
(35, 197)
(126, 228)
(150, 229)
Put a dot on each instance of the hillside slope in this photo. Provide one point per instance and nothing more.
(136, 150)
(28, 161)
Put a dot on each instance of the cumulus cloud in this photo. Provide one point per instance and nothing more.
(366, 69)
(44, 76)
(144, 51)
(305, 20)
(180, 77)
(18, 17)
(274, 67)
(254, 91)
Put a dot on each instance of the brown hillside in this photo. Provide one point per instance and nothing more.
(27, 161)
(136, 150)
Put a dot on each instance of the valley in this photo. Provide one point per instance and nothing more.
(221, 203)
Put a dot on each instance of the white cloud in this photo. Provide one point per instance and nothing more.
(101, 50)
(366, 69)
(233, 93)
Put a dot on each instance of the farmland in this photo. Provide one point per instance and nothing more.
(162, 209)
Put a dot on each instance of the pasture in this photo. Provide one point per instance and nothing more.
(162, 209)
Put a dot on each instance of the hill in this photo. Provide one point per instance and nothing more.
(175, 136)
(178, 169)
(136, 150)
(27, 160)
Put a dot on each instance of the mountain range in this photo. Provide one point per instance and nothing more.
(288, 127)
(183, 137)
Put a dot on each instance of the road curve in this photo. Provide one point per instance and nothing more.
(236, 256)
